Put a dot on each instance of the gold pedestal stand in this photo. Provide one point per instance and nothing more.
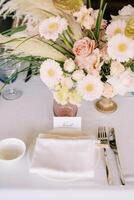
(106, 105)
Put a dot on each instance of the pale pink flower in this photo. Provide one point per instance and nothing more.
(78, 75)
(67, 82)
(103, 50)
(84, 17)
(103, 53)
(83, 47)
(32, 29)
(90, 63)
(127, 10)
(116, 68)
(69, 65)
(108, 91)
(123, 83)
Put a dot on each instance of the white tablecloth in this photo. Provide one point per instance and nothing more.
(24, 118)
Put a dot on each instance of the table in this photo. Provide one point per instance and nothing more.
(32, 114)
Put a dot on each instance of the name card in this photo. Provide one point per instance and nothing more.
(67, 122)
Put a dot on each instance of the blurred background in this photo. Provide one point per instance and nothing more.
(112, 8)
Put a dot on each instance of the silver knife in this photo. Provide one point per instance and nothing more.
(113, 145)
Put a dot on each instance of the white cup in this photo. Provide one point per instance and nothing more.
(11, 150)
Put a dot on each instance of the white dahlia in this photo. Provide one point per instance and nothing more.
(50, 73)
(121, 48)
(51, 28)
(90, 88)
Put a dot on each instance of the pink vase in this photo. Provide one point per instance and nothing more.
(67, 110)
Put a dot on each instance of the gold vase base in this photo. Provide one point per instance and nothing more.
(106, 105)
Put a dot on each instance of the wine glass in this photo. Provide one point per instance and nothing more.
(8, 74)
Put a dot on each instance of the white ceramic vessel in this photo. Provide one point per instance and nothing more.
(11, 150)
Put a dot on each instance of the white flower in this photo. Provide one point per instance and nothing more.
(78, 75)
(108, 91)
(116, 27)
(127, 10)
(51, 28)
(50, 73)
(67, 82)
(116, 68)
(121, 48)
(90, 88)
(123, 83)
(85, 18)
(69, 65)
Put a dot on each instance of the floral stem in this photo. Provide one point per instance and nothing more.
(2, 87)
(26, 40)
(70, 37)
(88, 4)
(99, 19)
(65, 40)
(48, 12)
(58, 48)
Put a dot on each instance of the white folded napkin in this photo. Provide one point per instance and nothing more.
(63, 157)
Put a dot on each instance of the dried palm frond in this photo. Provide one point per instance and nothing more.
(30, 10)
(30, 46)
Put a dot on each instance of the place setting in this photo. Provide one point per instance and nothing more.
(66, 98)
(68, 155)
(75, 156)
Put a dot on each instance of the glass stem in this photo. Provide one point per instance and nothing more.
(11, 91)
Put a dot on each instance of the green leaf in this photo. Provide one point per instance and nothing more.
(92, 35)
(59, 48)
(100, 17)
(132, 67)
(29, 73)
(12, 31)
(25, 40)
(104, 72)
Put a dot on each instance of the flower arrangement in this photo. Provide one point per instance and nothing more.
(78, 54)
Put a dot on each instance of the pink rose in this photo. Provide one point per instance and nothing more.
(90, 63)
(83, 47)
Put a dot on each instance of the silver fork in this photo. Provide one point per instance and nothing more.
(102, 137)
